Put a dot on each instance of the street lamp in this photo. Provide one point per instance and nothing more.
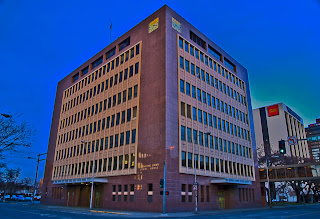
(269, 192)
(92, 180)
(195, 174)
(35, 180)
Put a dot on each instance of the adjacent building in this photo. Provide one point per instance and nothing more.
(278, 122)
(163, 93)
(313, 136)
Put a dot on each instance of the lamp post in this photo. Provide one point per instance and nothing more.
(35, 180)
(269, 192)
(195, 174)
(92, 179)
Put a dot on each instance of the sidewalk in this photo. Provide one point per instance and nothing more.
(130, 214)
(160, 215)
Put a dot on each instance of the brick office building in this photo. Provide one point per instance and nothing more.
(313, 136)
(162, 92)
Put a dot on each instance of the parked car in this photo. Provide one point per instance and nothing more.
(28, 198)
(37, 198)
(13, 197)
(20, 198)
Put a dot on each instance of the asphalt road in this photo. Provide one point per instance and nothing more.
(28, 211)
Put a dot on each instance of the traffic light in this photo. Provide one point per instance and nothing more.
(282, 147)
(161, 183)
(161, 192)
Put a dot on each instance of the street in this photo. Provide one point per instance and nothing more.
(26, 210)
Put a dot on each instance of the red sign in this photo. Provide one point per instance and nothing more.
(273, 110)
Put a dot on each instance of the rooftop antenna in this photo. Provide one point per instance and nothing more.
(110, 32)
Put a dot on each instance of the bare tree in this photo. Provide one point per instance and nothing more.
(14, 133)
(11, 180)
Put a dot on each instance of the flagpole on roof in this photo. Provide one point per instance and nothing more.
(110, 32)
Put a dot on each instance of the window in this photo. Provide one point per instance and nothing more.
(85, 70)
(127, 137)
(183, 109)
(187, 88)
(135, 91)
(187, 65)
(193, 91)
(186, 46)
(199, 115)
(183, 193)
(150, 190)
(97, 62)
(183, 159)
(229, 64)
(197, 40)
(136, 68)
(133, 139)
(201, 162)
(188, 111)
(181, 62)
(201, 138)
(128, 115)
(181, 85)
(111, 52)
(189, 137)
(195, 136)
(130, 93)
(124, 44)
(180, 43)
(75, 77)
(131, 71)
(194, 113)
(183, 133)
(192, 68)
(134, 112)
(199, 94)
(189, 160)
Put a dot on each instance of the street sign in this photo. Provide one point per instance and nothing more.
(292, 140)
(195, 187)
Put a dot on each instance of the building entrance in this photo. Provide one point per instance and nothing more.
(221, 197)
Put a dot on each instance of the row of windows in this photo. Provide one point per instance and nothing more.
(210, 100)
(101, 71)
(103, 86)
(246, 195)
(99, 125)
(56, 193)
(99, 107)
(188, 195)
(207, 140)
(117, 191)
(216, 122)
(215, 165)
(214, 82)
(189, 48)
(102, 165)
(124, 138)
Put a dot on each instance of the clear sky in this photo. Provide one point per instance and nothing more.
(43, 41)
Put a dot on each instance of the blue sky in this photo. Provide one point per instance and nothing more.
(43, 41)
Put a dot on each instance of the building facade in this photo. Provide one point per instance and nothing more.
(313, 136)
(163, 93)
(278, 122)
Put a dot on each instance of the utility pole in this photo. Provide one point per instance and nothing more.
(164, 188)
(35, 180)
